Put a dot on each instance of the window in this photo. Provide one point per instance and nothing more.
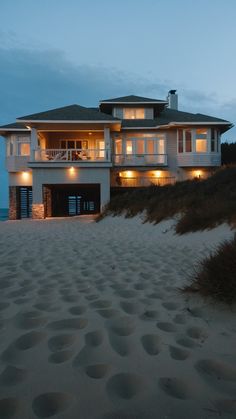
(188, 141)
(150, 146)
(180, 141)
(74, 144)
(129, 147)
(118, 146)
(23, 146)
(140, 147)
(214, 140)
(201, 140)
(133, 113)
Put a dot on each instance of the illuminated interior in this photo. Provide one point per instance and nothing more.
(134, 113)
(201, 140)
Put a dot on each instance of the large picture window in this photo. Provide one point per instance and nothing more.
(198, 140)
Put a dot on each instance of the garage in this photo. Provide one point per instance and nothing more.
(68, 200)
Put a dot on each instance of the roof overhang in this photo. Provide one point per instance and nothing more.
(73, 125)
(158, 102)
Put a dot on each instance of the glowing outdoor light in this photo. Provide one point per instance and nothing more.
(25, 175)
(157, 173)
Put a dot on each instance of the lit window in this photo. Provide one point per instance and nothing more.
(129, 147)
(23, 146)
(134, 113)
(118, 146)
(201, 140)
(140, 147)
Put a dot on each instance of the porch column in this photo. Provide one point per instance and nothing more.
(107, 141)
(33, 143)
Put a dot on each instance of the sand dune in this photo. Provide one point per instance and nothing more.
(92, 325)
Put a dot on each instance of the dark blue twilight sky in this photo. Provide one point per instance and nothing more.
(59, 52)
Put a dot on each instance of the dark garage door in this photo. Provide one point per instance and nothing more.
(69, 200)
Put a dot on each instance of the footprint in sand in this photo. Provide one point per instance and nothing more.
(12, 376)
(60, 342)
(97, 371)
(51, 404)
(131, 307)
(77, 310)
(167, 327)
(10, 408)
(178, 354)
(122, 326)
(68, 324)
(94, 338)
(60, 357)
(30, 320)
(151, 343)
(216, 370)
(125, 386)
(176, 387)
(197, 333)
(29, 340)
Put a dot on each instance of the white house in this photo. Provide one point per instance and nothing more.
(65, 161)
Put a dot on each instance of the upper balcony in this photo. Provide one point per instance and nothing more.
(198, 159)
(140, 159)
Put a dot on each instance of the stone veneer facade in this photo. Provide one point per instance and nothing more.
(13, 203)
(38, 211)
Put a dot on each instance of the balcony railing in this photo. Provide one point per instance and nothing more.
(198, 159)
(69, 155)
(134, 182)
(140, 159)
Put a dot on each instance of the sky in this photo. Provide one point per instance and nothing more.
(55, 53)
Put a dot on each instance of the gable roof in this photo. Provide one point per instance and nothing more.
(69, 113)
(132, 99)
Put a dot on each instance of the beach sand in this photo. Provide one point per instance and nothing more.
(93, 326)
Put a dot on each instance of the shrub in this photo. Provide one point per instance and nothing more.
(215, 276)
(201, 204)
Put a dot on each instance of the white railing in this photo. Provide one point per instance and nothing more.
(79, 155)
(198, 159)
(140, 159)
(144, 181)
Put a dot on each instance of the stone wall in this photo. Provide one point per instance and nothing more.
(47, 199)
(13, 203)
(38, 211)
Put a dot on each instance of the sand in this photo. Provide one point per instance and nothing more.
(92, 325)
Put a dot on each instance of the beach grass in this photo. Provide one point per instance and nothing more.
(198, 204)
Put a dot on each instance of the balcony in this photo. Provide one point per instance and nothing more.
(198, 159)
(140, 159)
(76, 155)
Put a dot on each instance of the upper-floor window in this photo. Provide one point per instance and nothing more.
(201, 140)
(23, 146)
(198, 140)
(133, 113)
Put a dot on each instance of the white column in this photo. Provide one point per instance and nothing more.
(107, 141)
(33, 143)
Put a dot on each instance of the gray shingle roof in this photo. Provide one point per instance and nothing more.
(69, 113)
(169, 116)
(14, 125)
(131, 99)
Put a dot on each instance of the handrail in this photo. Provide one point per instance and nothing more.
(75, 154)
(140, 159)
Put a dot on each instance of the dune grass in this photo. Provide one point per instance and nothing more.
(215, 276)
(199, 204)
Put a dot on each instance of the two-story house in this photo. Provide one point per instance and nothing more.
(65, 161)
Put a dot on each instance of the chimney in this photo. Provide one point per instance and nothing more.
(172, 99)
